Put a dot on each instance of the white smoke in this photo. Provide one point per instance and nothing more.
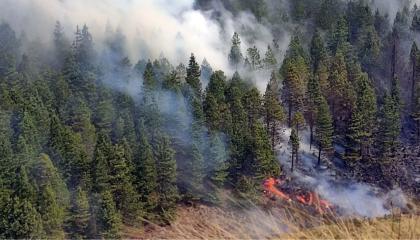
(353, 198)
(151, 27)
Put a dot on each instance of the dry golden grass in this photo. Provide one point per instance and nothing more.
(290, 221)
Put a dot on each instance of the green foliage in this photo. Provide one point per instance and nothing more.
(193, 76)
(78, 221)
(166, 179)
(390, 125)
(294, 142)
(235, 55)
(324, 128)
(363, 120)
(109, 220)
(19, 219)
(273, 110)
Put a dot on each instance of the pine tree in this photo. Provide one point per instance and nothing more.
(193, 76)
(149, 80)
(206, 71)
(146, 172)
(328, 13)
(214, 106)
(121, 184)
(235, 55)
(254, 58)
(109, 220)
(100, 168)
(298, 121)
(390, 125)
(313, 96)
(341, 96)
(79, 218)
(317, 50)
(294, 142)
(264, 162)
(61, 45)
(324, 128)
(236, 132)
(273, 110)
(166, 179)
(294, 87)
(270, 61)
(20, 220)
(217, 161)
(363, 119)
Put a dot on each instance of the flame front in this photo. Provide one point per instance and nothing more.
(311, 199)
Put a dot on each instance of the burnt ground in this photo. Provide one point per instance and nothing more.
(402, 170)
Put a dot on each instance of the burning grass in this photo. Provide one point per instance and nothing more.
(282, 218)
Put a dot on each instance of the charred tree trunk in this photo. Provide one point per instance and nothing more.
(293, 153)
(413, 81)
(394, 56)
(311, 138)
(319, 156)
(290, 115)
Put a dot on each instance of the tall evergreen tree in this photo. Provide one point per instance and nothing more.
(235, 55)
(166, 179)
(193, 76)
(273, 111)
(324, 128)
(294, 142)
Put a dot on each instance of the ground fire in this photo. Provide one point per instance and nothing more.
(298, 195)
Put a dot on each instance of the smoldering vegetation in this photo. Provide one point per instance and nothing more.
(112, 113)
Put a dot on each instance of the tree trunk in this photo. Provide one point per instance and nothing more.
(290, 114)
(311, 139)
(292, 159)
(319, 156)
(297, 156)
(273, 135)
(413, 81)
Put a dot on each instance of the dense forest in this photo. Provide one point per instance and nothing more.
(91, 140)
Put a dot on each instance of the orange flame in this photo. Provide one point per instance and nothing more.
(269, 185)
(310, 199)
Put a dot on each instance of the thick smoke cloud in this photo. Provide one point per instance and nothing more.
(151, 27)
(391, 7)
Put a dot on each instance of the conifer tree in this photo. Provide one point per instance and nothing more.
(79, 218)
(264, 162)
(109, 220)
(166, 179)
(214, 106)
(121, 184)
(100, 168)
(317, 50)
(235, 55)
(273, 110)
(294, 142)
(193, 76)
(298, 121)
(217, 161)
(146, 172)
(313, 96)
(20, 220)
(270, 61)
(363, 119)
(324, 128)
(254, 58)
(390, 125)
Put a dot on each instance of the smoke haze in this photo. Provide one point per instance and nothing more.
(151, 27)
